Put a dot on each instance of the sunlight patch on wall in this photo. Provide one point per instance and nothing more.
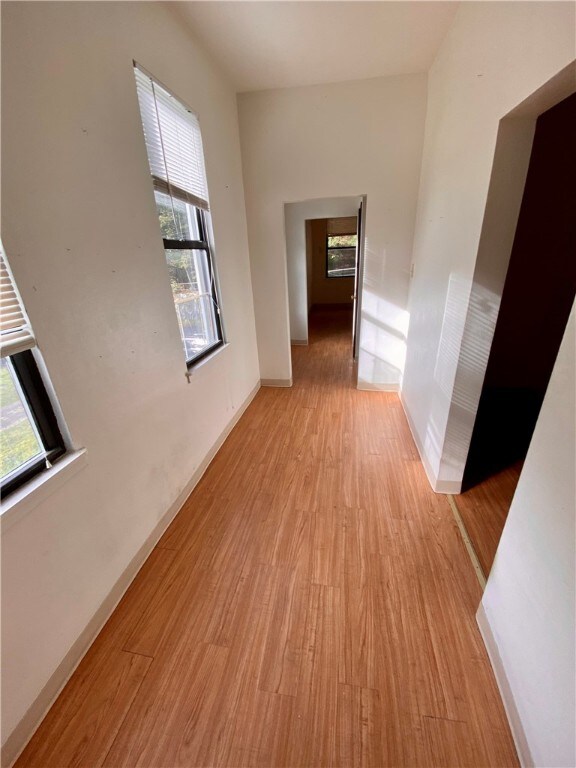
(453, 322)
(382, 341)
(472, 363)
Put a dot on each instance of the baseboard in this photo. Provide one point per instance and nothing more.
(367, 386)
(518, 733)
(453, 487)
(276, 382)
(438, 486)
(299, 342)
(430, 474)
(25, 729)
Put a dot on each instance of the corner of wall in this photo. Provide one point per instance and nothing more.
(437, 485)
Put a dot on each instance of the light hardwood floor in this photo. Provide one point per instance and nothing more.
(484, 510)
(311, 605)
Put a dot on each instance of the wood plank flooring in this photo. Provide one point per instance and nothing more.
(484, 509)
(311, 605)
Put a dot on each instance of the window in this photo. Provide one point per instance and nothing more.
(341, 255)
(175, 155)
(30, 439)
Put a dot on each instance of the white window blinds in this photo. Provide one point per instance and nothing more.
(174, 143)
(15, 331)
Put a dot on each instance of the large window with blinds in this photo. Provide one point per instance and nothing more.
(176, 159)
(30, 438)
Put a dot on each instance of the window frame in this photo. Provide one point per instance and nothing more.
(181, 177)
(42, 412)
(340, 248)
(201, 245)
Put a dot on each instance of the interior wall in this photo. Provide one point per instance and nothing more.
(363, 137)
(299, 267)
(528, 608)
(494, 56)
(81, 232)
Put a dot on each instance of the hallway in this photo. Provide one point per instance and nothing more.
(311, 605)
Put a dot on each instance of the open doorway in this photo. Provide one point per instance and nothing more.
(331, 255)
(324, 257)
(537, 297)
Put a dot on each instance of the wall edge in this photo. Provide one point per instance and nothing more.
(438, 486)
(512, 713)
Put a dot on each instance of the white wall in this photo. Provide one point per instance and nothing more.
(354, 138)
(82, 236)
(528, 607)
(295, 215)
(494, 56)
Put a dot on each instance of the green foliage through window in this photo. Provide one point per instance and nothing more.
(341, 255)
(18, 440)
(342, 241)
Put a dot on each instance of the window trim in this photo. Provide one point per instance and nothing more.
(37, 490)
(42, 411)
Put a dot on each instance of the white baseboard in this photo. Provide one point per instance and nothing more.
(299, 342)
(438, 486)
(25, 729)
(276, 382)
(518, 733)
(453, 487)
(368, 386)
(430, 474)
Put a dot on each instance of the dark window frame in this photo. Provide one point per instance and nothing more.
(202, 245)
(340, 248)
(42, 411)
(168, 167)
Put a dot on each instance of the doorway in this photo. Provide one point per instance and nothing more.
(538, 295)
(324, 266)
(331, 250)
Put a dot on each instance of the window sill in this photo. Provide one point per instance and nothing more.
(196, 367)
(37, 490)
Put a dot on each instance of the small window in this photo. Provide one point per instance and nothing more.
(176, 158)
(341, 255)
(30, 439)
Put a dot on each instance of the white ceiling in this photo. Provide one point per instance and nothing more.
(282, 44)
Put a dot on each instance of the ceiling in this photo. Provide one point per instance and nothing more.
(282, 44)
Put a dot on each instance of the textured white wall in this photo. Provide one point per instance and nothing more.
(354, 138)
(81, 232)
(295, 215)
(529, 602)
(494, 56)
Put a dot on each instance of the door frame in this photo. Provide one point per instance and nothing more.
(359, 282)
